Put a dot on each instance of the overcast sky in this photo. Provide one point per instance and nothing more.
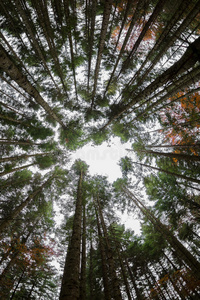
(103, 160)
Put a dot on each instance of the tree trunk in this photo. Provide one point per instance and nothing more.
(105, 22)
(70, 281)
(107, 287)
(181, 251)
(83, 258)
(172, 155)
(16, 169)
(91, 272)
(15, 74)
(170, 173)
(113, 275)
(23, 156)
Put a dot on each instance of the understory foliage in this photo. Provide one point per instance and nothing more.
(74, 73)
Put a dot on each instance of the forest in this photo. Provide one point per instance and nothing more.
(82, 72)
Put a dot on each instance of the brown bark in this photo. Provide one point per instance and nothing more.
(135, 17)
(83, 259)
(91, 272)
(180, 250)
(107, 287)
(115, 283)
(105, 22)
(187, 61)
(17, 75)
(70, 281)
(152, 18)
(181, 156)
(170, 173)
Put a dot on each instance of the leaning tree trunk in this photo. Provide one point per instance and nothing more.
(70, 281)
(23, 156)
(7, 65)
(170, 173)
(180, 156)
(16, 169)
(180, 250)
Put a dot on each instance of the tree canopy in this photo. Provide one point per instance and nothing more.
(75, 73)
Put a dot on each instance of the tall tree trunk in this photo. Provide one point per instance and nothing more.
(180, 156)
(18, 283)
(105, 22)
(83, 258)
(107, 287)
(70, 281)
(170, 173)
(113, 275)
(124, 275)
(7, 65)
(181, 251)
(23, 156)
(91, 272)
(16, 169)
(132, 277)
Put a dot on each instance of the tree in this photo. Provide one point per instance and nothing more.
(70, 281)
(82, 72)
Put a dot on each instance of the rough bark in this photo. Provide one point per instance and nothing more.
(70, 281)
(7, 65)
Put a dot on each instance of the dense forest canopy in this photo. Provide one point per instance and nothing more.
(80, 72)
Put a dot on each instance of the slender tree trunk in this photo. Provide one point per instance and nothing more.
(180, 156)
(170, 173)
(83, 258)
(107, 287)
(132, 277)
(13, 142)
(181, 251)
(23, 156)
(91, 272)
(70, 281)
(15, 74)
(18, 283)
(197, 145)
(16, 169)
(113, 275)
(124, 275)
(172, 282)
(105, 22)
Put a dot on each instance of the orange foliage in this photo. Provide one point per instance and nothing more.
(186, 110)
(150, 34)
(183, 279)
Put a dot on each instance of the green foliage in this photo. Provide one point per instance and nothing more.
(57, 58)
(45, 162)
(39, 132)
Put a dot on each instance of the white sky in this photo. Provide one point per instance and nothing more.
(103, 160)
